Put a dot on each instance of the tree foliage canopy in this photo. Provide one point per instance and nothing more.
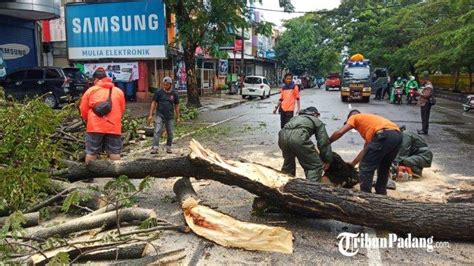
(407, 36)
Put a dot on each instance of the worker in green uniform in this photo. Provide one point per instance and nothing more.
(414, 153)
(295, 141)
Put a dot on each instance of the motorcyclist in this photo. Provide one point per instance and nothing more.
(411, 84)
(398, 83)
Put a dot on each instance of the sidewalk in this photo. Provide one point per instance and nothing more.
(450, 95)
(208, 102)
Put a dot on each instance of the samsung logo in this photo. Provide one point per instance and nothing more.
(14, 50)
(115, 24)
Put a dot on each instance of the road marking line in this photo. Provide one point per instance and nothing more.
(373, 254)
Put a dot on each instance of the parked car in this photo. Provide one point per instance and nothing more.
(333, 81)
(256, 86)
(79, 83)
(49, 82)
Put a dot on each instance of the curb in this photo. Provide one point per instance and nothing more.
(451, 96)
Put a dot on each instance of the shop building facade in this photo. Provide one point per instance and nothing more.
(20, 42)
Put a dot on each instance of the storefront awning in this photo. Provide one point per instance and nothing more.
(238, 56)
(31, 9)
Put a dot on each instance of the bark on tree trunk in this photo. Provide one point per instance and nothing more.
(128, 251)
(443, 221)
(31, 219)
(456, 80)
(193, 86)
(470, 77)
(91, 222)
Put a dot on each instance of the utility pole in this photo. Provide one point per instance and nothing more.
(242, 61)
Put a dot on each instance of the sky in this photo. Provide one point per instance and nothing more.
(300, 5)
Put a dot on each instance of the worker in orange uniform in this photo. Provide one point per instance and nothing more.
(382, 143)
(289, 96)
(102, 108)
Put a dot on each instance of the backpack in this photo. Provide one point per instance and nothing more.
(103, 108)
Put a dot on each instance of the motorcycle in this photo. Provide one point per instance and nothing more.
(234, 87)
(411, 96)
(398, 95)
(469, 103)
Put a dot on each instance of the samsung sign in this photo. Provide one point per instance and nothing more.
(132, 29)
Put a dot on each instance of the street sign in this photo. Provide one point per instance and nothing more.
(116, 30)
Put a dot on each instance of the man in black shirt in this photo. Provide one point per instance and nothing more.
(165, 103)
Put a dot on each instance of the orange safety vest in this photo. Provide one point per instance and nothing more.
(110, 123)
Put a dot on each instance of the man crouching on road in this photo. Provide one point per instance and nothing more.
(104, 129)
(165, 104)
(382, 143)
(295, 141)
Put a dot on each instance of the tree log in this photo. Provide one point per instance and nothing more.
(127, 251)
(31, 219)
(91, 222)
(451, 221)
(227, 231)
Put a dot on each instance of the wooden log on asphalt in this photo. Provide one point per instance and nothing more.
(449, 221)
(31, 219)
(91, 222)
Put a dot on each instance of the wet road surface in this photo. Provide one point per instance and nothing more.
(253, 136)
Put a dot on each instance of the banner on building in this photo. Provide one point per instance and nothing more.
(3, 67)
(181, 76)
(117, 71)
(57, 28)
(132, 29)
(223, 67)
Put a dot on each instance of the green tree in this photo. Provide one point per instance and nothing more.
(207, 24)
(309, 45)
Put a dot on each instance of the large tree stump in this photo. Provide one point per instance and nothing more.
(452, 221)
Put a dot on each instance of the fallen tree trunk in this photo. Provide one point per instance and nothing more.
(453, 221)
(227, 231)
(31, 219)
(127, 251)
(91, 222)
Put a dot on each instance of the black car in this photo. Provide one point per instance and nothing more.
(49, 82)
(79, 83)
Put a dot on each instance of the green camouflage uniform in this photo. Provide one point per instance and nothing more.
(414, 153)
(295, 141)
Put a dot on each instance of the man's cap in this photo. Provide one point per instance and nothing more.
(350, 113)
(99, 73)
(310, 111)
(168, 80)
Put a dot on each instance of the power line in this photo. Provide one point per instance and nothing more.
(323, 11)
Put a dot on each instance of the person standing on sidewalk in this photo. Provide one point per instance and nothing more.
(162, 110)
(289, 96)
(104, 125)
(382, 143)
(425, 101)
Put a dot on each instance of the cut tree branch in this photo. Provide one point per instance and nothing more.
(453, 221)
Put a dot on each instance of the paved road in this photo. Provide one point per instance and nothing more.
(253, 136)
